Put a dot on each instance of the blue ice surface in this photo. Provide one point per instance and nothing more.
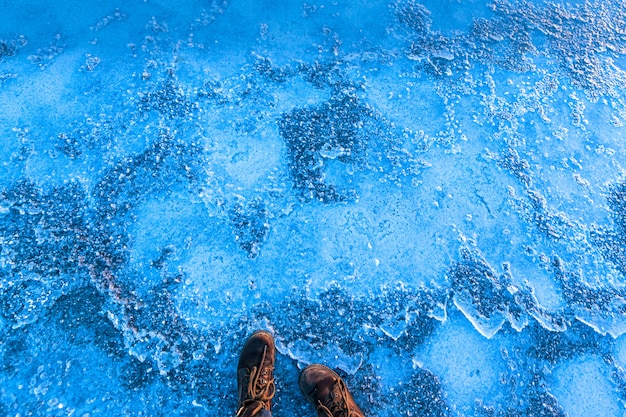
(429, 197)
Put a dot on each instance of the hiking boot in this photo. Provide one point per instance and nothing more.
(255, 374)
(327, 392)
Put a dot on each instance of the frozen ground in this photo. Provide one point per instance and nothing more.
(428, 196)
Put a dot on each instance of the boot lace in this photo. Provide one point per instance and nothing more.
(337, 404)
(257, 390)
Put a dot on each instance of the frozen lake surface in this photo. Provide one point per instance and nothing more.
(429, 197)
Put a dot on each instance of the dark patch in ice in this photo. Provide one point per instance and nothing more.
(250, 220)
(366, 388)
(398, 318)
(45, 240)
(322, 74)
(165, 254)
(164, 163)
(44, 232)
(13, 351)
(613, 246)
(489, 300)
(314, 134)
(168, 98)
(556, 346)
(21, 300)
(299, 315)
(272, 73)
(487, 291)
(541, 403)
(135, 375)
(212, 90)
(95, 134)
(518, 166)
(81, 316)
(156, 311)
(612, 243)
(69, 145)
(423, 396)
(601, 306)
(7, 49)
(553, 224)
(585, 295)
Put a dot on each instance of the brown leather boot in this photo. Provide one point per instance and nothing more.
(255, 374)
(327, 392)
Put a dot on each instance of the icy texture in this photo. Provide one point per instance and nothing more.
(429, 197)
